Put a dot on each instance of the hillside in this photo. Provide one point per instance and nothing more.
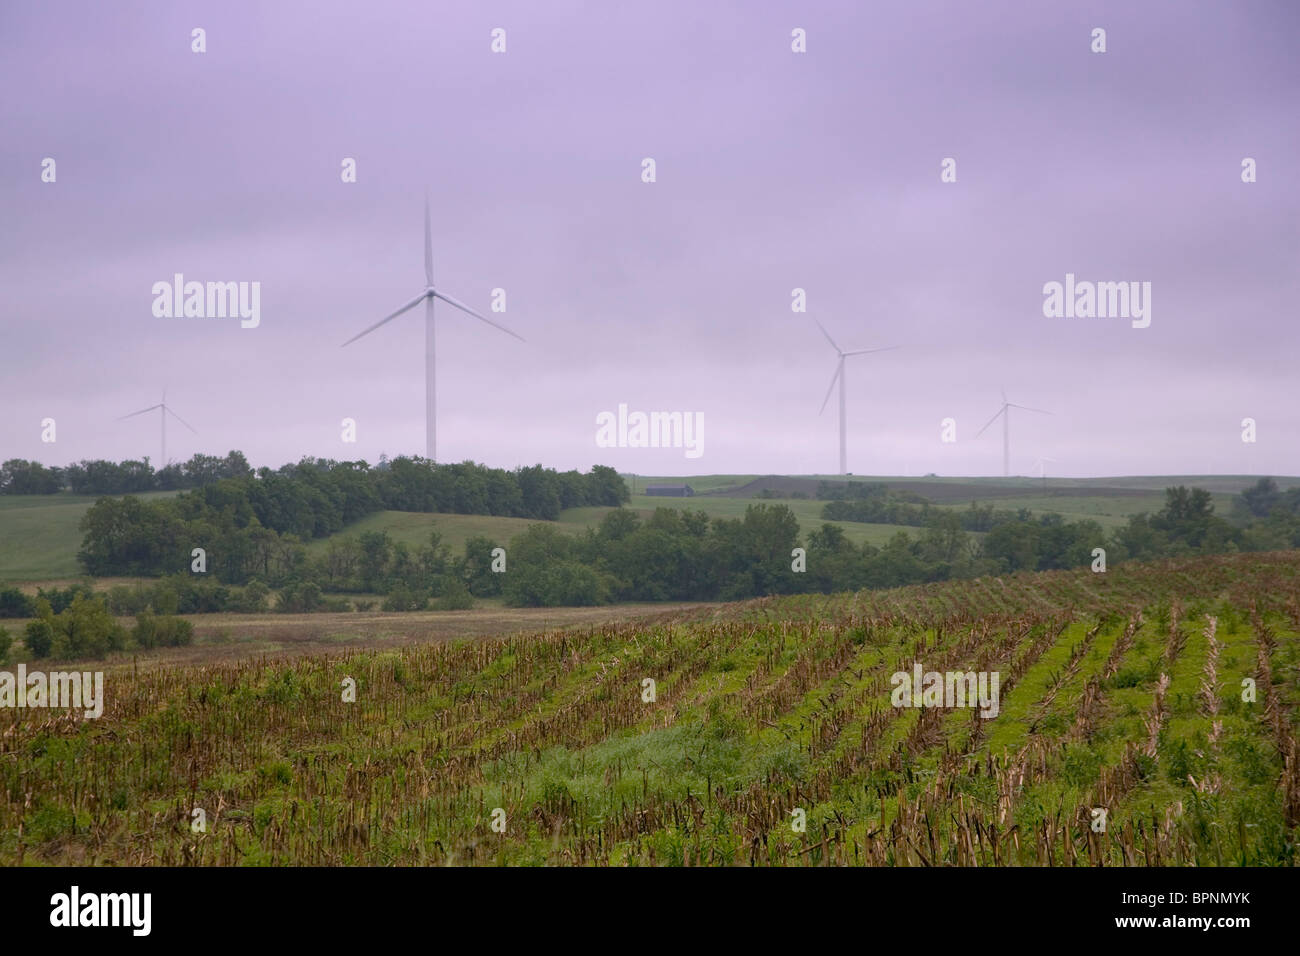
(39, 535)
(1119, 693)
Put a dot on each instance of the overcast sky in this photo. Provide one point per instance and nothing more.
(775, 170)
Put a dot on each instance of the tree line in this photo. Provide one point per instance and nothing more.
(98, 477)
(253, 526)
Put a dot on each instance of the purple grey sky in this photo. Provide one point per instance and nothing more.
(775, 170)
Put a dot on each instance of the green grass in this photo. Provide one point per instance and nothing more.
(40, 537)
(414, 528)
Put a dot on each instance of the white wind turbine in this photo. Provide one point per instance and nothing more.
(163, 412)
(427, 295)
(839, 375)
(1041, 465)
(1005, 413)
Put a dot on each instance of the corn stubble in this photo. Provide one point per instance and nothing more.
(1119, 691)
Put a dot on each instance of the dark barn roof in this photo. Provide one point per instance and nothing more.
(669, 490)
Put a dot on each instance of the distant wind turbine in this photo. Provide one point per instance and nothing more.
(1005, 412)
(163, 412)
(839, 375)
(1041, 465)
(427, 295)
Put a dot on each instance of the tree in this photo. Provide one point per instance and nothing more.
(87, 629)
(39, 637)
(476, 567)
(1261, 497)
(14, 603)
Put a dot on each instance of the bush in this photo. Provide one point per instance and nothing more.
(175, 632)
(403, 598)
(145, 632)
(250, 599)
(123, 599)
(61, 598)
(87, 629)
(455, 596)
(39, 638)
(300, 597)
(165, 600)
(14, 603)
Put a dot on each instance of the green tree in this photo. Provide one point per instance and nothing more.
(39, 637)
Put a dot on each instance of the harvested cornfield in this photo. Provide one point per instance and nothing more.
(1145, 716)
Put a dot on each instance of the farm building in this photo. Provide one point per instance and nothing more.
(670, 491)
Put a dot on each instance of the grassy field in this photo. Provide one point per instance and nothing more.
(414, 528)
(769, 738)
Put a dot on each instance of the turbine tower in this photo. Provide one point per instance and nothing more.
(1041, 465)
(163, 412)
(1005, 413)
(427, 295)
(839, 376)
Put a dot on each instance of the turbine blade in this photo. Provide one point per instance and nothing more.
(828, 337)
(839, 367)
(410, 305)
(482, 318)
(428, 244)
(890, 348)
(140, 412)
(1028, 409)
(181, 420)
(1004, 395)
(991, 421)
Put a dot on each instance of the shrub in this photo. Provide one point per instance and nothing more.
(455, 596)
(14, 603)
(87, 629)
(123, 599)
(175, 632)
(300, 597)
(145, 632)
(250, 599)
(403, 598)
(39, 638)
(61, 599)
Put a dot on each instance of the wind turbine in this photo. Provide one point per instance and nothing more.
(1005, 412)
(427, 295)
(1041, 465)
(839, 375)
(163, 412)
